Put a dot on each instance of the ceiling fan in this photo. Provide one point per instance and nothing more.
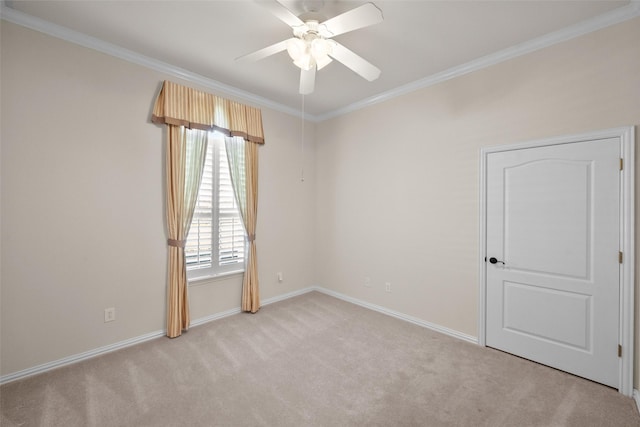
(311, 48)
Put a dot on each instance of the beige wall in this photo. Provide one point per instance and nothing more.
(391, 191)
(83, 206)
(398, 183)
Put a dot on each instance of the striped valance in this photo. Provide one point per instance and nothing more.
(183, 106)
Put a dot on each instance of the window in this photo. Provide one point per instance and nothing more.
(216, 241)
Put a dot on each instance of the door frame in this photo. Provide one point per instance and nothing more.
(626, 136)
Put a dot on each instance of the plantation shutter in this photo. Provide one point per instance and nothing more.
(199, 245)
(231, 228)
(216, 204)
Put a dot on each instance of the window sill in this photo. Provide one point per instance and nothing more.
(203, 280)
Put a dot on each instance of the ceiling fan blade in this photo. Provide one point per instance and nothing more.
(281, 12)
(354, 62)
(307, 80)
(360, 17)
(263, 53)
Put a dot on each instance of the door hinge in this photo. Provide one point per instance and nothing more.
(619, 350)
(620, 257)
(621, 164)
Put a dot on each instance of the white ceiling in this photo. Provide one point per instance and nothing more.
(418, 40)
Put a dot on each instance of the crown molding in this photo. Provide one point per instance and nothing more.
(64, 33)
(613, 17)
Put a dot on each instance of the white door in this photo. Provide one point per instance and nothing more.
(553, 231)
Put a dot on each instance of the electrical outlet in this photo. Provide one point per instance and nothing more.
(367, 281)
(387, 286)
(109, 314)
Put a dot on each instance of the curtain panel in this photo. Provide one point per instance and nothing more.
(243, 167)
(186, 153)
(180, 108)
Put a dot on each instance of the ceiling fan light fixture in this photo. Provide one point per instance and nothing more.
(307, 54)
(296, 48)
(323, 62)
(305, 62)
(320, 47)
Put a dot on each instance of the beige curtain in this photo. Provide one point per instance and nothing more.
(183, 106)
(185, 110)
(186, 152)
(243, 165)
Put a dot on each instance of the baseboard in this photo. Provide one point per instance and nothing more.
(79, 357)
(237, 310)
(451, 332)
(200, 321)
(288, 295)
(636, 397)
(216, 316)
(132, 341)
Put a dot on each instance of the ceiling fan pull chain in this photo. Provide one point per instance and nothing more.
(302, 145)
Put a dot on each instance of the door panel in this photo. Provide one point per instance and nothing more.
(553, 222)
(565, 321)
(535, 216)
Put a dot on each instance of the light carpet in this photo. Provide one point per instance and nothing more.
(312, 360)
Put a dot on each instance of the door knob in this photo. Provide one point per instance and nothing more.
(493, 260)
